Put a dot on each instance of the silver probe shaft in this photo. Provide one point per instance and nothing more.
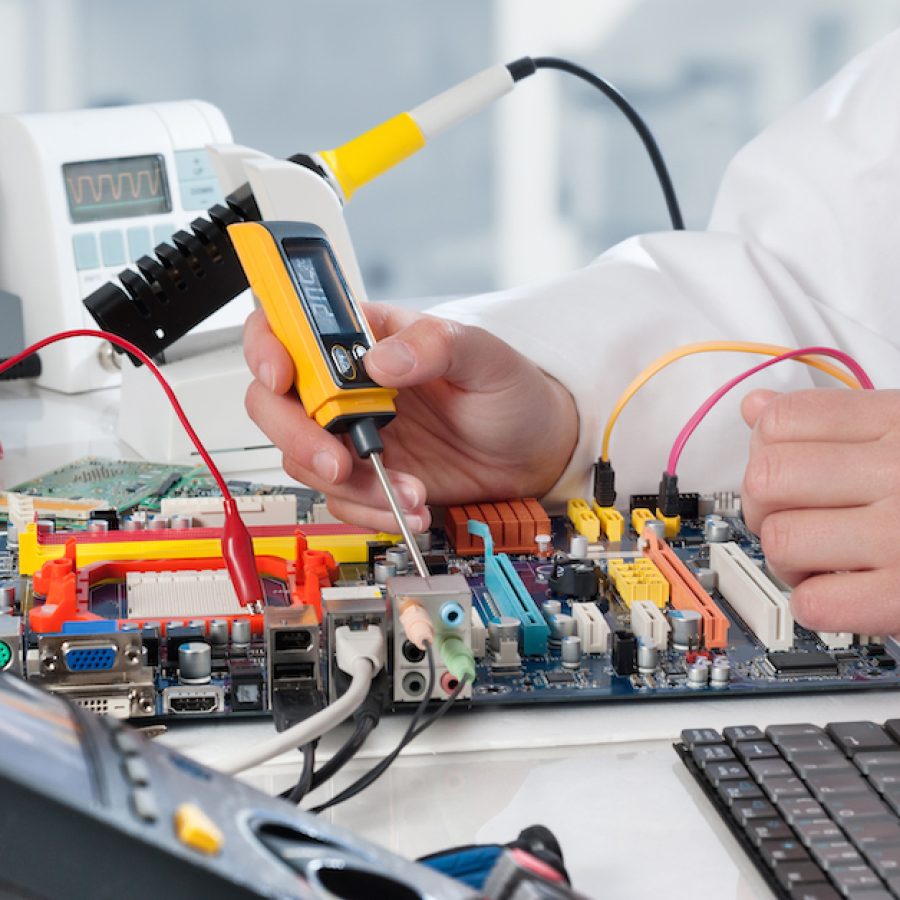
(408, 536)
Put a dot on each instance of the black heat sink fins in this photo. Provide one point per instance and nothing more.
(185, 282)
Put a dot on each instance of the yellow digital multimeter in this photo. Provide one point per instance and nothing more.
(295, 276)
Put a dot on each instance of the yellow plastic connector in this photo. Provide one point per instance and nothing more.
(611, 521)
(638, 580)
(345, 548)
(639, 517)
(672, 523)
(584, 520)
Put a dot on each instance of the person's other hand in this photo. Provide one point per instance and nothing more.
(822, 490)
(475, 419)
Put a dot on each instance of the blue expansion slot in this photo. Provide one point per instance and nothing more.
(510, 594)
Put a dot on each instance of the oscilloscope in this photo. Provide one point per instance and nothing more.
(85, 194)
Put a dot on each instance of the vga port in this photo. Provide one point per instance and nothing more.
(193, 701)
(98, 656)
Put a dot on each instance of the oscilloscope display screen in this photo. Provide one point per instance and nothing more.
(101, 189)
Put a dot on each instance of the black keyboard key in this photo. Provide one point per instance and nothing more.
(750, 750)
(872, 760)
(793, 746)
(694, 737)
(884, 860)
(742, 789)
(814, 892)
(747, 810)
(717, 772)
(805, 763)
(801, 809)
(830, 784)
(891, 796)
(855, 737)
(818, 830)
(894, 882)
(772, 829)
(843, 808)
(711, 753)
(775, 732)
(852, 879)
(769, 768)
(865, 833)
(791, 874)
(892, 728)
(782, 788)
(737, 733)
(885, 779)
(790, 850)
(835, 854)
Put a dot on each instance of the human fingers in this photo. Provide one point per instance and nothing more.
(269, 362)
(430, 348)
(828, 415)
(801, 475)
(284, 421)
(362, 486)
(858, 602)
(801, 542)
(754, 403)
(350, 511)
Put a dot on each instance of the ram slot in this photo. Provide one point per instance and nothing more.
(686, 591)
(753, 597)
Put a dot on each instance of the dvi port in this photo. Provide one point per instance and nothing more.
(185, 701)
(94, 656)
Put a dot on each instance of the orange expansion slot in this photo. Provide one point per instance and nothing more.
(687, 592)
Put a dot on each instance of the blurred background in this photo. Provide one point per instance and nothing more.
(545, 181)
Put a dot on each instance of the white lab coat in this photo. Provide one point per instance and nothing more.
(803, 248)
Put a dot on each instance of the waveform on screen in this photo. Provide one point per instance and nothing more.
(117, 186)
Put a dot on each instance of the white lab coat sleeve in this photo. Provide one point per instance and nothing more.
(803, 249)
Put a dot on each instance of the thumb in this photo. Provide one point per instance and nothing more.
(432, 348)
(754, 403)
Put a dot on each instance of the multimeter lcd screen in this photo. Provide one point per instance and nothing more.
(116, 188)
(325, 295)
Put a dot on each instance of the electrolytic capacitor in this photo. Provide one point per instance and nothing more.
(240, 634)
(561, 626)
(423, 539)
(647, 655)
(158, 523)
(551, 608)
(218, 632)
(570, 651)
(685, 628)
(7, 597)
(506, 628)
(181, 522)
(399, 556)
(698, 673)
(720, 674)
(544, 545)
(195, 662)
(134, 523)
(382, 570)
(716, 530)
(656, 526)
(707, 577)
(45, 525)
(578, 547)
(97, 526)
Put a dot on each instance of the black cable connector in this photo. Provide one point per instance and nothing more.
(365, 437)
(669, 503)
(604, 483)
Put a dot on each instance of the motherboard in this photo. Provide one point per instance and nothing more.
(113, 592)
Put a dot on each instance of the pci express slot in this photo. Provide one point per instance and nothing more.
(510, 594)
(686, 591)
(753, 597)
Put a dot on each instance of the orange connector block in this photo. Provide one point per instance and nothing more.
(687, 592)
(513, 525)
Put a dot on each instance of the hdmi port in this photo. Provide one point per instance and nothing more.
(193, 702)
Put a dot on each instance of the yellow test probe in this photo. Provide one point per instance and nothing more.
(294, 274)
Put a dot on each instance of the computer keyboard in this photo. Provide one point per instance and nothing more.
(816, 809)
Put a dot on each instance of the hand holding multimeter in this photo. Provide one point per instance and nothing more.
(476, 419)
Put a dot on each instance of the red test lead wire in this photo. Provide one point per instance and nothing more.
(237, 545)
(691, 426)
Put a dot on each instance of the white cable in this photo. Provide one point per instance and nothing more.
(362, 671)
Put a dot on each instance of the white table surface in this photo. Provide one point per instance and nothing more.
(603, 777)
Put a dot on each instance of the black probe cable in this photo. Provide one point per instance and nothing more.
(526, 66)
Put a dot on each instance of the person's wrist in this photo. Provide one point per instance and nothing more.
(561, 432)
